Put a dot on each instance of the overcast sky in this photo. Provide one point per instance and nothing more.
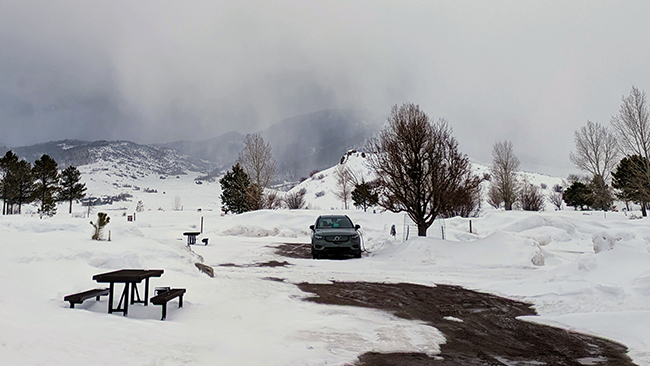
(155, 71)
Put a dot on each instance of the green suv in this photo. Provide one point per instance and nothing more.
(334, 234)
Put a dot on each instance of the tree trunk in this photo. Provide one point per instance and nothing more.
(644, 212)
(507, 205)
(70, 206)
(422, 230)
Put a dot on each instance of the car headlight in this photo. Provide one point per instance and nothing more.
(354, 236)
(318, 237)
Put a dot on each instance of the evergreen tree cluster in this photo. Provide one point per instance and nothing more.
(594, 194)
(21, 183)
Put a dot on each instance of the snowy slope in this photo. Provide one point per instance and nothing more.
(242, 317)
(324, 182)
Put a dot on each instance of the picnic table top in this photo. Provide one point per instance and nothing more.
(128, 275)
(192, 233)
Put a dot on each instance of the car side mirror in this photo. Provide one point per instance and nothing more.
(311, 227)
(357, 227)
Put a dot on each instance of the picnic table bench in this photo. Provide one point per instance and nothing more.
(165, 295)
(79, 298)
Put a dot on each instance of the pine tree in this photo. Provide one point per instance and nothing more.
(630, 179)
(8, 165)
(602, 194)
(234, 191)
(365, 195)
(71, 189)
(24, 184)
(46, 176)
(578, 195)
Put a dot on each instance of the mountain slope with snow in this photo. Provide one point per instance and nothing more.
(126, 156)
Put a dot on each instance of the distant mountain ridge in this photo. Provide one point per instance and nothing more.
(150, 158)
(300, 144)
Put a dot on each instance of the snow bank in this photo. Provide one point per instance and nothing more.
(497, 250)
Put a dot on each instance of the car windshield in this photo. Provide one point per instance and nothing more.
(334, 222)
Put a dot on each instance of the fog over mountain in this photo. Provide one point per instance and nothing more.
(300, 145)
(160, 71)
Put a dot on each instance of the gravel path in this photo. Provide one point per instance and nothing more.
(481, 329)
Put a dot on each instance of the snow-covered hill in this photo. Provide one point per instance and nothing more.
(127, 157)
(320, 186)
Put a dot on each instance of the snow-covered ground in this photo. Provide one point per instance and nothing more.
(244, 317)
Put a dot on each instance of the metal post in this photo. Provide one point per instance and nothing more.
(470, 226)
(201, 224)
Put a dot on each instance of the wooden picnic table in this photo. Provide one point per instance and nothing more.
(191, 237)
(130, 278)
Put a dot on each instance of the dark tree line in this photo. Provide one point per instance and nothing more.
(21, 183)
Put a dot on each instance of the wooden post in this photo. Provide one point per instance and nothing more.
(201, 224)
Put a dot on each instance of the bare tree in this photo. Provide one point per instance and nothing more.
(531, 197)
(556, 196)
(272, 201)
(178, 204)
(596, 150)
(296, 200)
(503, 174)
(344, 185)
(257, 160)
(468, 198)
(632, 125)
(494, 197)
(418, 166)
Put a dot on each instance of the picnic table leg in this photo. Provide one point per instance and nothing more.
(146, 291)
(164, 311)
(126, 298)
(110, 298)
